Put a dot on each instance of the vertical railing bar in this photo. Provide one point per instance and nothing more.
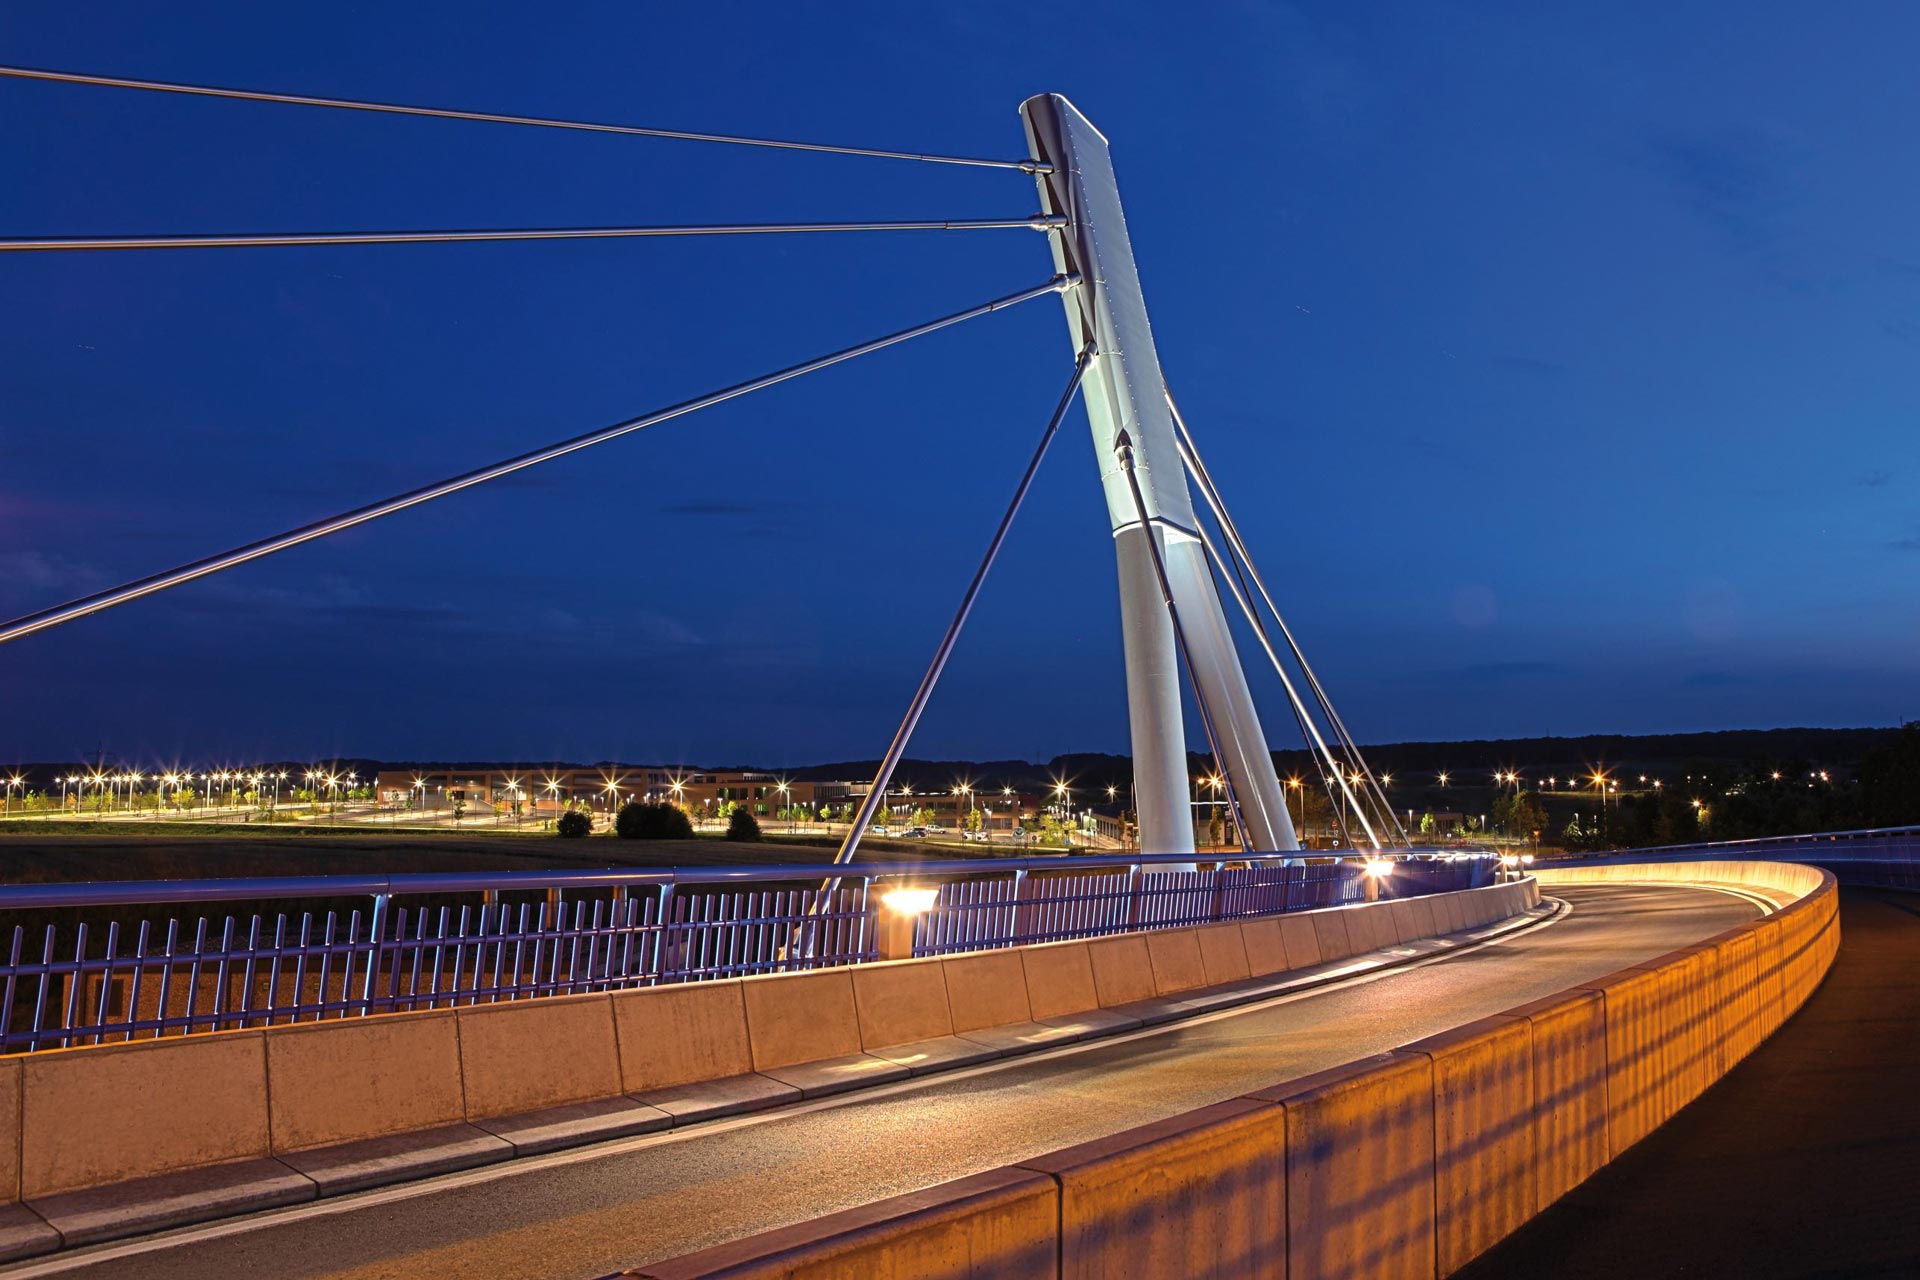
(326, 966)
(40, 997)
(13, 977)
(350, 950)
(166, 976)
(193, 973)
(106, 980)
(520, 930)
(220, 974)
(70, 1007)
(439, 950)
(247, 974)
(133, 984)
(459, 954)
(296, 1006)
(273, 966)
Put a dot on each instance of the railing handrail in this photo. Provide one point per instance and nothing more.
(276, 888)
(1810, 837)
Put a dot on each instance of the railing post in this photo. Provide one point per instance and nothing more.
(376, 947)
(1218, 902)
(1136, 879)
(1017, 929)
(660, 953)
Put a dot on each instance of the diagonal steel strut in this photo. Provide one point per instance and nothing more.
(884, 774)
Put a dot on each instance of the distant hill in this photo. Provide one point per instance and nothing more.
(1821, 748)
(1837, 750)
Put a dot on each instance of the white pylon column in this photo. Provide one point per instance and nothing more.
(1125, 392)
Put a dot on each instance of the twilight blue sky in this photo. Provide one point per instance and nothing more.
(1561, 370)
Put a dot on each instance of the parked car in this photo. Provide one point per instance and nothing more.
(914, 832)
(980, 836)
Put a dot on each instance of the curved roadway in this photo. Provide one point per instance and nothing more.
(585, 1213)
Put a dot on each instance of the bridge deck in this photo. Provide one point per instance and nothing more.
(1801, 1162)
(589, 1212)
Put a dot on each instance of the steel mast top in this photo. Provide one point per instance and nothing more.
(1126, 406)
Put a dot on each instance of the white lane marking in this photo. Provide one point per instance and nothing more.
(1766, 905)
(1362, 972)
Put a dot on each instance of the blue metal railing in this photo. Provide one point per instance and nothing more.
(1887, 857)
(304, 949)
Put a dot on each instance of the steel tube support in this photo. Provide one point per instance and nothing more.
(884, 774)
(1124, 394)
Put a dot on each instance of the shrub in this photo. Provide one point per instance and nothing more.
(573, 824)
(639, 821)
(742, 826)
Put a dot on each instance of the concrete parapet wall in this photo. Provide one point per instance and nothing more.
(1204, 1193)
(678, 1035)
(85, 1117)
(1412, 1163)
(332, 1082)
(112, 1113)
(1003, 1225)
(562, 1050)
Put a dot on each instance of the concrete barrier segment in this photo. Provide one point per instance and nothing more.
(1201, 1194)
(800, 1017)
(999, 1225)
(676, 1035)
(112, 1113)
(901, 1002)
(1360, 1170)
(335, 1082)
(527, 1055)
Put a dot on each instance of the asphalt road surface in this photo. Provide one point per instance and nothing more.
(588, 1212)
(1803, 1161)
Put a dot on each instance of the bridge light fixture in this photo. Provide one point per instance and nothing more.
(910, 900)
(1379, 868)
(1509, 860)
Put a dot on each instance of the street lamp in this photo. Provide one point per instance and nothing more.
(786, 802)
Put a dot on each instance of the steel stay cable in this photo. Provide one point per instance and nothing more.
(1214, 502)
(487, 117)
(1338, 771)
(1191, 456)
(46, 618)
(1033, 222)
(1307, 728)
